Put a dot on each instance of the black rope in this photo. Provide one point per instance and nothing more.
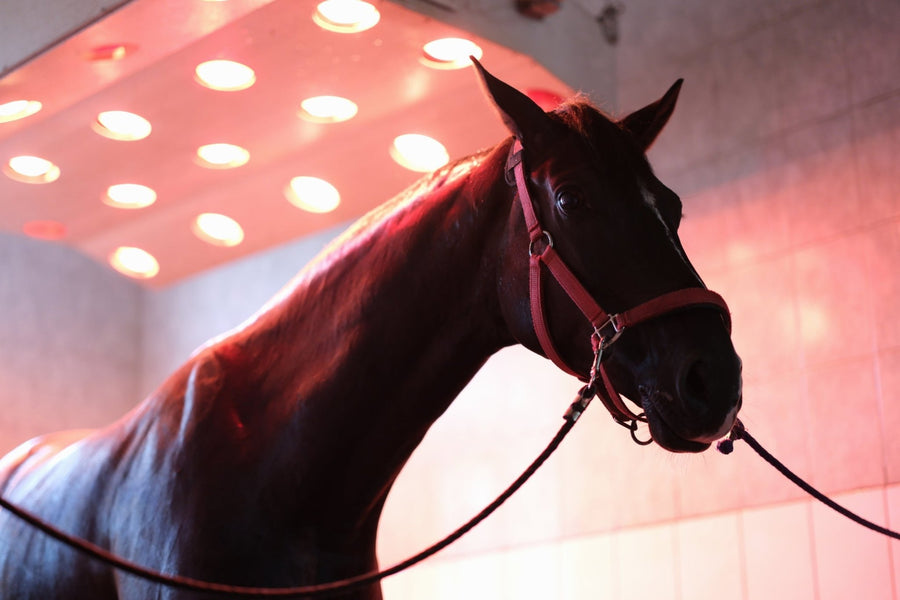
(739, 432)
(308, 591)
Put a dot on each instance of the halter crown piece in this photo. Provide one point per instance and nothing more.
(607, 327)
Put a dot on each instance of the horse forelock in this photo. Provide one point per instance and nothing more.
(580, 116)
(604, 137)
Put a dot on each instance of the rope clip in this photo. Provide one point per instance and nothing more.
(582, 400)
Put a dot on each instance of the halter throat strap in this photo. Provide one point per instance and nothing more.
(606, 327)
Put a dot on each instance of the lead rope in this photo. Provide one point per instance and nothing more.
(584, 397)
(739, 432)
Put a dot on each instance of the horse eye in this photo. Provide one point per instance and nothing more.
(569, 200)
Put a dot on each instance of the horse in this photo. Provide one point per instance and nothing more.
(266, 458)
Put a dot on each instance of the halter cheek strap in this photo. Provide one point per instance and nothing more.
(607, 327)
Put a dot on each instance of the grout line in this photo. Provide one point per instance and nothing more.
(813, 555)
(742, 555)
(892, 571)
(676, 562)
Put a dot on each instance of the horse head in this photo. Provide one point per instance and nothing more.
(615, 226)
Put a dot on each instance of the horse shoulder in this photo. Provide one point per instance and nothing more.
(31, 455)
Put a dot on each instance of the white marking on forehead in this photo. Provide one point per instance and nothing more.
(650, 201)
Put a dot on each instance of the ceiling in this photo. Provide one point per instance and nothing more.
(293, 58)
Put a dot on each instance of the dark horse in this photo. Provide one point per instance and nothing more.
(265, 460)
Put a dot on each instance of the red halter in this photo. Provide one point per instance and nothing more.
(607, 327)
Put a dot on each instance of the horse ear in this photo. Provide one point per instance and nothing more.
(646, 123)
(524, 119)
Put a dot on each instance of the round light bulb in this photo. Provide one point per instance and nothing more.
(450, 53)
(327, 109)
(222, 156)
(134, 262)
(225, 75)
(419, 152)
(312, 194)
(346, 16)
(217, 229)
(122, 125)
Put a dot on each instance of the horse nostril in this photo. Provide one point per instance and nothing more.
(695, 386)
(707, 383)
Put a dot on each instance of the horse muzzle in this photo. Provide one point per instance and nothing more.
(678, 431)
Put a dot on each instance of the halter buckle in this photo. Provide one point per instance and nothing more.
(514, 158)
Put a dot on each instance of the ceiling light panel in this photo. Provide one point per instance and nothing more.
(379, 71)
(112, 52)
(44, 230)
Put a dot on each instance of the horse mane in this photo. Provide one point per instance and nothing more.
(367, 227)
(405, 200)
(577, 114)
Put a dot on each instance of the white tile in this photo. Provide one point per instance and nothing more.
(852, 561)
(778, 552)
(531, 572)
(588, 568)
(709, 557)
(647, 565)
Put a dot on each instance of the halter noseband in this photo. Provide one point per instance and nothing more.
(607, 327)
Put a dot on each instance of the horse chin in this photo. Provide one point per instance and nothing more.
(665, 434)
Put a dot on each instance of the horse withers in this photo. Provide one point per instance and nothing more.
(266, 458)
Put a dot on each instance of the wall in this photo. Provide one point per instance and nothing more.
(177, 320)
(69, 341)
(784, 150)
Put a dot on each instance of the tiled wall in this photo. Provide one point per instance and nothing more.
(69, 341)
(178, 319)
(785, 150)
(795, 551)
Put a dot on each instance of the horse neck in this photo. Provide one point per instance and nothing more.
(372, 343)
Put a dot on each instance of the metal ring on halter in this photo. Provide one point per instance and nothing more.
(547, 239)
(607, 340)
(632, 425)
